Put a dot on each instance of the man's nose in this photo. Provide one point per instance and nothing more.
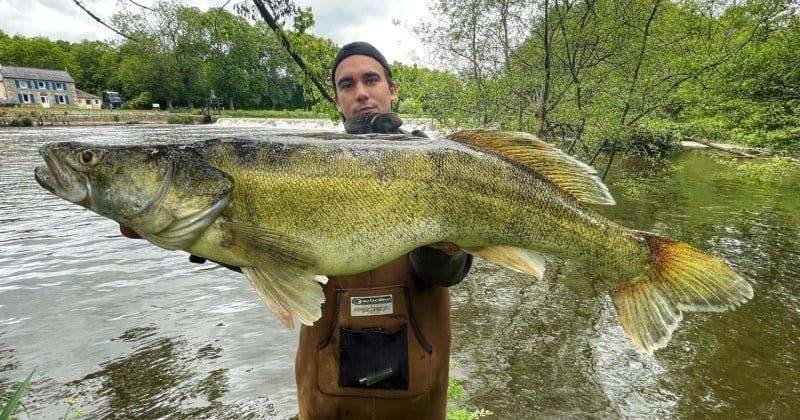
(361, 91)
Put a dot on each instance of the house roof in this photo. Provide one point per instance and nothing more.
(81, 94)
(35, 74)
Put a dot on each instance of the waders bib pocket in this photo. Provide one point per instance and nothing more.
(374, 348)
(373, 358)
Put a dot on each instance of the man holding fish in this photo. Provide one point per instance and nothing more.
(382, 347)
(373, 219)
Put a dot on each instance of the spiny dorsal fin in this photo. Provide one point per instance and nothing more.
(563, 170)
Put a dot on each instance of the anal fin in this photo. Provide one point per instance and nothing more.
(519, 259)
(289, 292)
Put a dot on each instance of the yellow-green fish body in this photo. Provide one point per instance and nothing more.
(289, 207)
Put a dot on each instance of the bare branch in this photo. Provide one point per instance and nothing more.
(142, 6)
(100, 21)
(278, 30)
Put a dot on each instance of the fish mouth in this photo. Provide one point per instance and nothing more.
(61, 180)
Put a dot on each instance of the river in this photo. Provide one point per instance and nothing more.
(123, 329)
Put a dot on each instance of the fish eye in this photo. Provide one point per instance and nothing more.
(88, 157)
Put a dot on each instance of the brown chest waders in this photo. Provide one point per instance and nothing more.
(380, 351)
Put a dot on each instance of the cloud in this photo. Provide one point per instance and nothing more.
(342, 21)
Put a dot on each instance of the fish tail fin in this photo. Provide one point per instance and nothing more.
(679, 278)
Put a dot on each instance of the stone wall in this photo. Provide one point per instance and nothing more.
(99, 117)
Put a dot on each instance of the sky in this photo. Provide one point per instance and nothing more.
(342, 21)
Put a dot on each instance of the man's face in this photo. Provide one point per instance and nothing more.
(362, 87)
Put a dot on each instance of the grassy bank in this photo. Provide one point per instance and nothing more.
(30, 117)
(266, 113)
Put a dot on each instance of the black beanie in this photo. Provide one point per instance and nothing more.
(358, 48)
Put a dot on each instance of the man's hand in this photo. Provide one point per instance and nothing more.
(128, 232)
(451, 249)
(446, 247)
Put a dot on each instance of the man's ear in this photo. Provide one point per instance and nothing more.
(393, 90)
(336, 102)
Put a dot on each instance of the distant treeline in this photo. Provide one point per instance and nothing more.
(598, 75)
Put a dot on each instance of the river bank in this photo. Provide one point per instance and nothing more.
(48, 118)
(43, 118)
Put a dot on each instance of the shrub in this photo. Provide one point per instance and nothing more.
(179, 119)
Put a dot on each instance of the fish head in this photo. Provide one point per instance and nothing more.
(166, 193)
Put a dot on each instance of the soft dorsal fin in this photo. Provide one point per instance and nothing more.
(563, 170)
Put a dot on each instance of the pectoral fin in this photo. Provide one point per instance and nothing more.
(519, 259)
(265, 247)
(289, 292)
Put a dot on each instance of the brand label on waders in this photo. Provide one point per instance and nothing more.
(371, 305)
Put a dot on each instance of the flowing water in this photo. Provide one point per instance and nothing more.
(127, 330)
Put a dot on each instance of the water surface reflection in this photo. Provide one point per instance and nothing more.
(133, 331)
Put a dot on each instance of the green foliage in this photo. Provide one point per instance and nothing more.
(180, 55)
(16, 400)
(180, 119)
(595, 75)
(776, 169)
(266, 113)
(22, 122)
(141, 101)
(71, 403)
(599, 74)
(462, 414)
(455, 391)
(12, 403)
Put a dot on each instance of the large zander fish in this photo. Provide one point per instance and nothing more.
(290, 208)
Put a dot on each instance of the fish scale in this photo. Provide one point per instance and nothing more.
(288, 208)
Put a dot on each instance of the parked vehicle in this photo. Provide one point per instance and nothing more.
(111, 100)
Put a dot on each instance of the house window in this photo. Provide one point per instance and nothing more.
(59, 86)
(25, 98)
(40, 84)
(62, 99)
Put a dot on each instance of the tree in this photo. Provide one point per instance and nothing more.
(36, 52)
(755, 96)
(475, 40)
(94, 65)
(148, 69)
(233, 61)
(593, 72)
